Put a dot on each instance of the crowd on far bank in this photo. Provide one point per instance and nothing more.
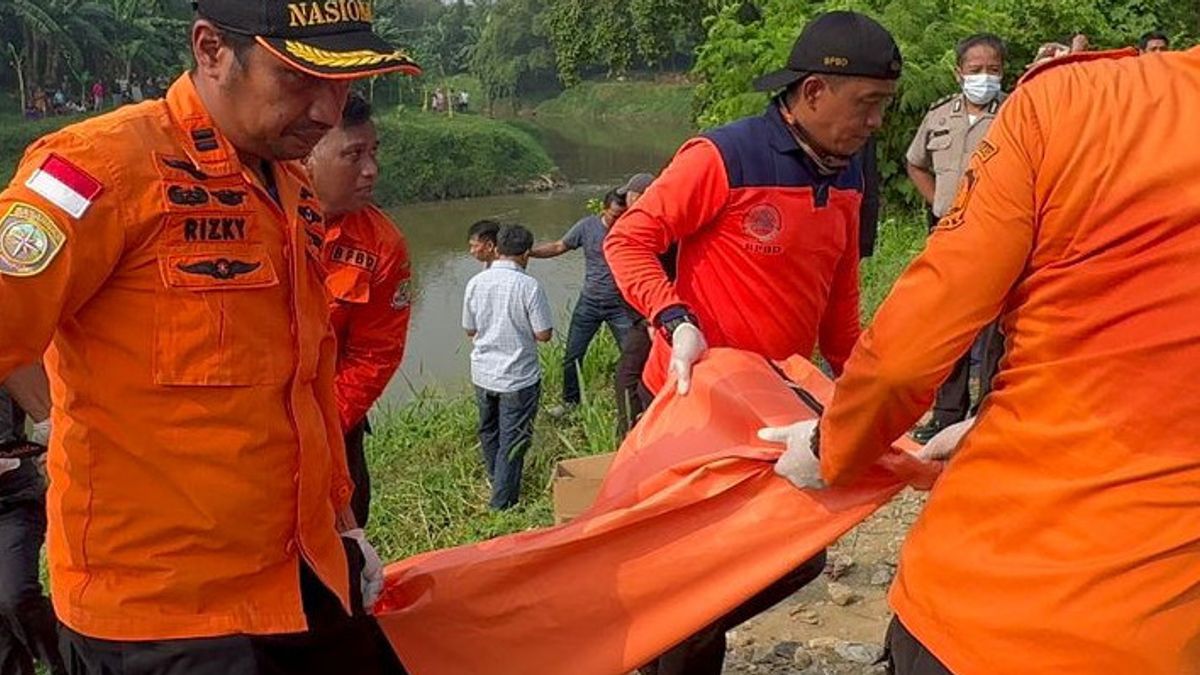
(444, 99)
(51, 100)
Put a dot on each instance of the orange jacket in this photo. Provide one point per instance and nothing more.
(369, 277)
(1063, 538)
(768, 247)
(197, 453)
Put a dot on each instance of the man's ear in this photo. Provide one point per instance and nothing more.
(811, 91)
(207, 47)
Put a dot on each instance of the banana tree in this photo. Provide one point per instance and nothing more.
(19, 66)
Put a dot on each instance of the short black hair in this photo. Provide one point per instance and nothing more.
(614, 198)
(484, 230)
(980, 40)
(356, 112)
(513, 240)
(1153, 35)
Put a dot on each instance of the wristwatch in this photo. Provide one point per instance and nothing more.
(673, 317)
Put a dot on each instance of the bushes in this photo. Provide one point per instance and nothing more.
(426, 156)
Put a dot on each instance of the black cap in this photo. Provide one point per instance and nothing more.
(838, 43)
(639, 183)
(330, 39)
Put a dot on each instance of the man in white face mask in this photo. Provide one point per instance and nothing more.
(936, 159)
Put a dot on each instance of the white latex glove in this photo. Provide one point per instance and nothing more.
(372, 573)
(41, 432)
(797, 464)
(687, 346)
(943, 446)
(7, 465)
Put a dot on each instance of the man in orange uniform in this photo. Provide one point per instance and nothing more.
(368, 279)
(766, 214)
(169, 257)
(1062, 537)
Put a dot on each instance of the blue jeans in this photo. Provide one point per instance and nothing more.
(590, 313)
(505, 431)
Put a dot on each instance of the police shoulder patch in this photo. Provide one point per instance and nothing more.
(29, 240)
(942, 101)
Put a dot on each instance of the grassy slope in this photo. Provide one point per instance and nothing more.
(429, 489)
(627, 100)
(16, 133)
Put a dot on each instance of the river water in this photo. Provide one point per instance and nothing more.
(594, 156)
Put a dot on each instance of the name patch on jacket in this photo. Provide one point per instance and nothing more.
(357, 257)
(214, 228)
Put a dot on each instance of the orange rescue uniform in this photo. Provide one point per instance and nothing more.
(369, 277)
(197, 455)
(1063, 537)
(768, 246)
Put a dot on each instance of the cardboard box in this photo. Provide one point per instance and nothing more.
(576, 483)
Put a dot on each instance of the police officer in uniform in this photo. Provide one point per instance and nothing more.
(936, 160)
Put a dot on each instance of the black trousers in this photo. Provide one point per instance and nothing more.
(953, 402)
(704, 652)
(27, 625)
(907, 656)
(356, 461)
(505, 434)
(635, 351)
(335, 644)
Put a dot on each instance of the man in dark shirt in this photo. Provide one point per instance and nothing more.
(599, 303)
(26, 621)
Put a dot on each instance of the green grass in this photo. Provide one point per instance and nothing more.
(16, 133)
(631, 99)
(901, 238)
(429, 488)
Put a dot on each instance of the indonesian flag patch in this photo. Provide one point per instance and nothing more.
(65, 185)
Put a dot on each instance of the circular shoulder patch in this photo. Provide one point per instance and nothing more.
(29, 240)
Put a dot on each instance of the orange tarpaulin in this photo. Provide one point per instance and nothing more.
(690, 522)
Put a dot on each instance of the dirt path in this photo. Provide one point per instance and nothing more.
(834, 626)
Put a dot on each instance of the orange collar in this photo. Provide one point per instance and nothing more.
(203, 143)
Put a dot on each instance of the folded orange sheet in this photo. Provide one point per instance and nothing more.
(690, 522)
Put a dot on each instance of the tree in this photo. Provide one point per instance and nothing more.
(49, 40)
(613, 36)
(513, 55)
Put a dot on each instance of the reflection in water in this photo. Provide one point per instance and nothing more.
(594, 159)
